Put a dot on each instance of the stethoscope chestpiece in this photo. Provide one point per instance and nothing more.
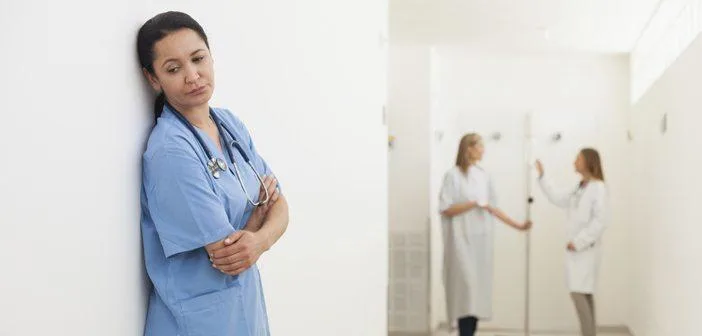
(221, 165)
(216, 165)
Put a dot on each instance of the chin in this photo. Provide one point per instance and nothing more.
(200, 100)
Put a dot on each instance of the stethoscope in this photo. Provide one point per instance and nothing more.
(216, 165)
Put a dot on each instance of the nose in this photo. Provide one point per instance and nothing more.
(191, 75)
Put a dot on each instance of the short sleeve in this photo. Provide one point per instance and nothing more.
(186, 212)
(447, 195)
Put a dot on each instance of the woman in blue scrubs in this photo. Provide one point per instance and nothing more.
(203, 229)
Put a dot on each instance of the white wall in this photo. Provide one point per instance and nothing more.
(409, 99)
(471, 82)
(665, 184)
(308, 79)
(73, 104)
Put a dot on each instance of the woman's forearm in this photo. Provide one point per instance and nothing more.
(255, 221)
(459, 208)
(275, 223)
(504, 218)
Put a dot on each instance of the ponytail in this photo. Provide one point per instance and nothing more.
(159, 104)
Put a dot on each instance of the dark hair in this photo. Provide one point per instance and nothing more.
(593, 163)
(153, 31)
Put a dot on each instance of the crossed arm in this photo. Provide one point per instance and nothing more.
(239, 251)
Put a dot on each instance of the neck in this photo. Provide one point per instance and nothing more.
(587, 177)
(470, 164)
(199, 116)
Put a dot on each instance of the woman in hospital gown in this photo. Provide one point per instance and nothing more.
(468, 207)
(201, 234)
(587, 206)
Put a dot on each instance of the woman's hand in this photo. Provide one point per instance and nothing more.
(238, 252)
(525, 226)
(271, 183)
(258, 216)
(571, 247)
(241, 250)
(540, 168)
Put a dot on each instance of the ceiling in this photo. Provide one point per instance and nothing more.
(602, 26)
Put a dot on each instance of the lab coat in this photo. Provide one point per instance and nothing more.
(468, 244)
(587, 219)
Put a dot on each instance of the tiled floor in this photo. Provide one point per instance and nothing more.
(522, 334)
(551, 334)
(455, 333)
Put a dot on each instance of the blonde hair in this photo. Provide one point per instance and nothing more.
(467, 141)
(593, 163)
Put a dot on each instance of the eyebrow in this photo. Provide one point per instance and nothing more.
(175, 59)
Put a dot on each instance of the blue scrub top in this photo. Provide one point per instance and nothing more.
(184, 209)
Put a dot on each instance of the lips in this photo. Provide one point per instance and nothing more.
(198, 90)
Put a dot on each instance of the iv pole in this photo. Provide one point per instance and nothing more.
(528, 158)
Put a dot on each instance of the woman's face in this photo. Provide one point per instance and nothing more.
(580, 165)
(183, 69)
(475, 152)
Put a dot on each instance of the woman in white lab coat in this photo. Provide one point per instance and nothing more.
(468, 205)
(587, 218)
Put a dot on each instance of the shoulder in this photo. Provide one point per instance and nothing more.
(455, 175)
(598, 187)
(229, 117)
(479, 172)
(233, 123)
(168, 137)
(453, 172)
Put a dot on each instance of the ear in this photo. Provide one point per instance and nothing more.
(153, 80)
